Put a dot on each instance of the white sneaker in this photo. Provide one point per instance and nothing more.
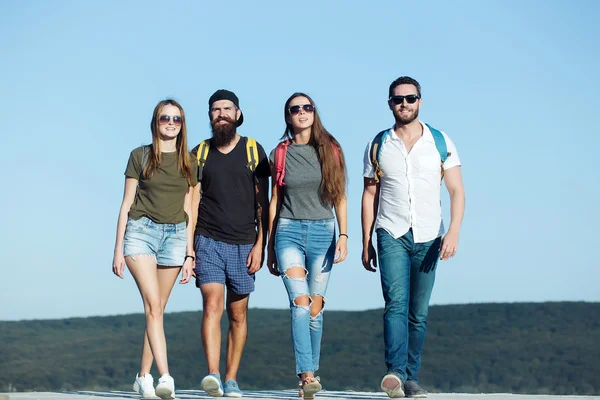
(144, 385)
(166, 387)
(392, 385)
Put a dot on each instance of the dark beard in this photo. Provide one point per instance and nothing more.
(223, 134)
(405, 121)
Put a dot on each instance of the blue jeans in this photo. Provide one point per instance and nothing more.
(407, 277)
(309, 244)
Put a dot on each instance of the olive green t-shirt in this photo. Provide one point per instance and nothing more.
(161, 197)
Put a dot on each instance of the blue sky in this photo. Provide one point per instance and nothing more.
(514, 83)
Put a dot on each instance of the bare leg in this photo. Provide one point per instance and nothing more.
(237, 311)
(166, 279)
(143, 269)
(213, 295)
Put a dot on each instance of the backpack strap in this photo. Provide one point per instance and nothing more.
(201, 156)
(280, 156)
(251, 154)
(376, 146)
(440, 144)
(336, 153)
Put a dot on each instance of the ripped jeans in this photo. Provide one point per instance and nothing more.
(310, 245)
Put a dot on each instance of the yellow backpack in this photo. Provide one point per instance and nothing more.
(251, 154)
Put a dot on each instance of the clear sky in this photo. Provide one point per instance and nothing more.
(514, 83)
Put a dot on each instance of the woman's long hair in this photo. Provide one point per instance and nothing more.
(155, 155)
(329, 151)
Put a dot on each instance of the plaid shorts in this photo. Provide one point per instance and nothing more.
(224, 263)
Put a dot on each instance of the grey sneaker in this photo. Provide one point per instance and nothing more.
(212, 385)
(392, 385)
(309, 389)
(231, 389)
(412, 389)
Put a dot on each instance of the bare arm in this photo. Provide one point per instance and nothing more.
(454, 184)
(370, 203)
(187, 207)
(195, 205)
(188, 264)
(256, 257)
(263, 211)
(274, 208)
(341, 212)
(128, 198)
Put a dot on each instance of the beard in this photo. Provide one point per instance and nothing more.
(405, 120)
(223, 134)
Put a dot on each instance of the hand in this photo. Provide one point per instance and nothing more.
(272, 262)
(193, 253)
(187, 271)
(118, 263)
(449, 245)
(341, 249)
(369, 257)
(255, 259)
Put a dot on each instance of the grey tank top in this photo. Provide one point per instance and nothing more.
(301, 192)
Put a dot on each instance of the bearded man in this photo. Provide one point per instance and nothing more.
(403, 167)
(230, 236)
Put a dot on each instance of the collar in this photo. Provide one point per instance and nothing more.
(426, 133)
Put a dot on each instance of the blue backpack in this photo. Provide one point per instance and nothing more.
(438, 138)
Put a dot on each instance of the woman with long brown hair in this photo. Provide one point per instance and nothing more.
(309, 183)
(154, 236)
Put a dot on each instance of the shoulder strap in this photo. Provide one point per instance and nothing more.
(336, 153)
(202, 153)
(440, 143)
(251, 153)
(442, 148)
(376, 153)
(280, 156)
(201, 156)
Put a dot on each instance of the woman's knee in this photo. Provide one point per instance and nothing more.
(154, 308)
(317, 304)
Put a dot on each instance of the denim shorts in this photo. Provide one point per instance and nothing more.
(224, 263)
(167, 242)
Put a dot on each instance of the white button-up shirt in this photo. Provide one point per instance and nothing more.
(409, 194)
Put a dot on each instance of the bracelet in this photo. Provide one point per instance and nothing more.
(188, 256)
(343, 234)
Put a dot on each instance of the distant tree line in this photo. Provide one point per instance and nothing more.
(534, 348)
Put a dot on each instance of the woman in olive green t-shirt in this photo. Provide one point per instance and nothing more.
(154, 238)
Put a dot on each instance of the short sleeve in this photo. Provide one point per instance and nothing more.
(453, 160)
(272, 156)
(194, 151)
(263, 170)
(194, 167)
(134, 164)
(367, 164)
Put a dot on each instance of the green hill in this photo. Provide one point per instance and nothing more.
(551, 348)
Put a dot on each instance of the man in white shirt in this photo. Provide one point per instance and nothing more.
(401, 203)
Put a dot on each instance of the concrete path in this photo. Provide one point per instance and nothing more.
(276, 395)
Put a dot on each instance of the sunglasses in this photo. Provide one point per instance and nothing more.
(164, 119)
(410, 99)
(295, 110)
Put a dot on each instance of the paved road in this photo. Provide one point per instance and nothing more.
(276, 395)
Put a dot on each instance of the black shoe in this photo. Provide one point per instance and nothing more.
(412, 389)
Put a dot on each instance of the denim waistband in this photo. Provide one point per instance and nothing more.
(308, 221)
(167, 228)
